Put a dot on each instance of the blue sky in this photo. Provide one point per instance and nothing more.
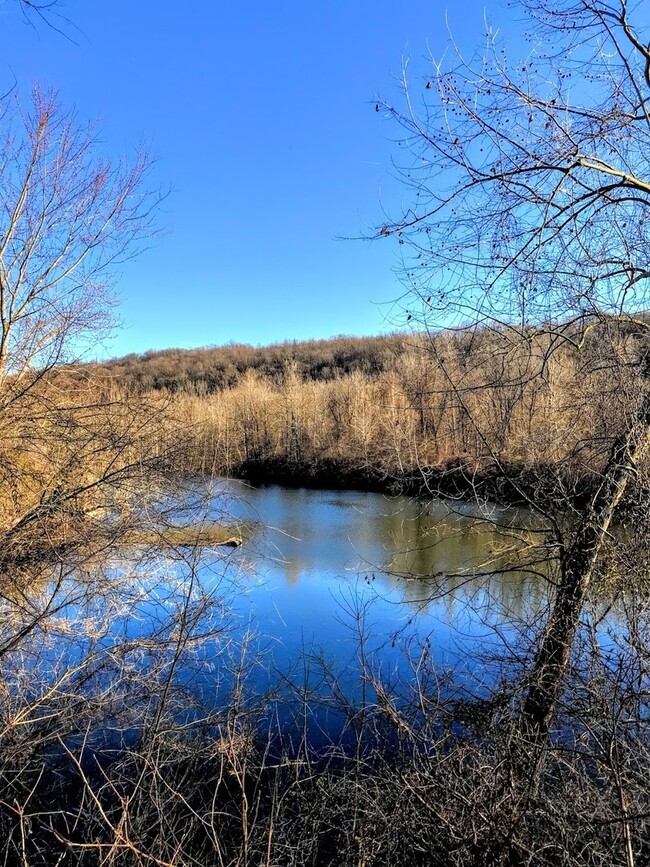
(261, 118)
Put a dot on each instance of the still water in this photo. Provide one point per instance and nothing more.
(321, 567)
(330, 593)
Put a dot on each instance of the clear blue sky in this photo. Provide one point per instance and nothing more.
(261, 116)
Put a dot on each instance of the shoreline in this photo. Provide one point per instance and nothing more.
(503, 484)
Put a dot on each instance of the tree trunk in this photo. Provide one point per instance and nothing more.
(576, 567)
(546, 680)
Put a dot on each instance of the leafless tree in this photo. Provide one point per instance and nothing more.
(529, 218)
(69, 218)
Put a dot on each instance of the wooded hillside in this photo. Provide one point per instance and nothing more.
(210, 369)
(378, 410)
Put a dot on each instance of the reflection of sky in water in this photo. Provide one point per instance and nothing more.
(320, 568)
(320, 557)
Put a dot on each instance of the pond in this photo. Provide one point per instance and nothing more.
(324, 569)
(330, 593)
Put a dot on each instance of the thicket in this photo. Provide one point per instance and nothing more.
(421, 774)
(455, 406)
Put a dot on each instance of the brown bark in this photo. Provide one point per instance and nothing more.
(576, 568)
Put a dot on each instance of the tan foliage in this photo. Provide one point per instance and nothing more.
(474, 397)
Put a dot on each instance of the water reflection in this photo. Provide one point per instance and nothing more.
(331, 584)
(426, 569)
(448, 548)
(324, 574)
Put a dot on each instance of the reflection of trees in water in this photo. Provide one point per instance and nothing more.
(427, 552)
(463, 558)
(500, 597)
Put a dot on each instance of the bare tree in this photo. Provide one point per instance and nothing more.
(68, 219)
(530, 218)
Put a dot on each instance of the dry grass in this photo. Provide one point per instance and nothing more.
(516, 401)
